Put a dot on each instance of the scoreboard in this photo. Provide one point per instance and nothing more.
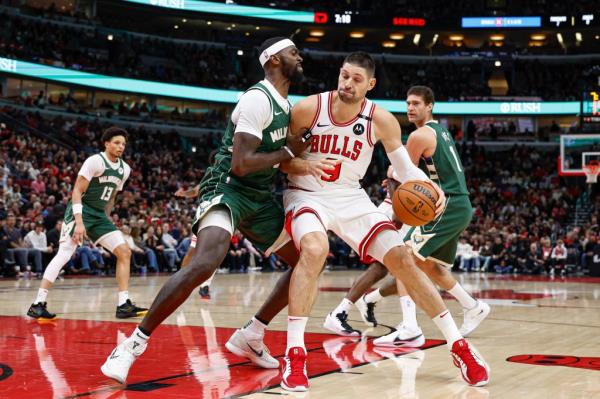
(356, 18)
(590, 110)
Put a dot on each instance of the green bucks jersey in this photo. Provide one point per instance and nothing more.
(444, 167)
(101, 188)
(273, 138)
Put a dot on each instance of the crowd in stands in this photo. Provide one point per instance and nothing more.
(201, 64)
(521, 221)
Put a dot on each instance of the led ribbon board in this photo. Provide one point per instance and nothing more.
(501, 22)
(210, 7)
(111, 83)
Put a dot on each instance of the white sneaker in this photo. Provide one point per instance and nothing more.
(473, 317)
(367, 311)
(403, 337)
(119, 361)
(251, 346)
(338, 324)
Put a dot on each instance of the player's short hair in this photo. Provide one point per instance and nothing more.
(269, 42)
(424, 92)
(363, 60)
(111, 132)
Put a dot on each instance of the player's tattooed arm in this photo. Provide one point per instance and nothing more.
(303, 167)
(245, 159)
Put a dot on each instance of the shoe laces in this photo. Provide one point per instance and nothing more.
(465, 353)
(370, 311)
(296, 364)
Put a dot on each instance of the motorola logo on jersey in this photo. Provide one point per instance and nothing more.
(358, 129)
(336, 145)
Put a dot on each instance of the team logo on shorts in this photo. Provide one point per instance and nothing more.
(358, 129)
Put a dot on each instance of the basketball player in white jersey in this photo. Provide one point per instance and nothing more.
(345, 125)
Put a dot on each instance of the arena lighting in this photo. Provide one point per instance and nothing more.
(159, 89)
(110, 38)
(388, 44)
(258, 28)
(578, 37)
(435, 39)
(416, 39)
(208, 22)
(538, 36)
(456, 38)
(317, 33)
(357, 35)
(536, 43)
(312, 39)
(184, 20)
(497, 64)
(397, 36)
(559, 37)
(497, 37)
(240, 52)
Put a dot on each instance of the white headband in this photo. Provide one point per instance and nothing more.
(274, 49)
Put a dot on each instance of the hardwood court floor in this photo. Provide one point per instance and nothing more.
(541, 341)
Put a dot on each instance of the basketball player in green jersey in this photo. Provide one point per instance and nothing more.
(434, 245)
(87, 214)
(236, 193)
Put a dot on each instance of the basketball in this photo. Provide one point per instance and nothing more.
(414, 202)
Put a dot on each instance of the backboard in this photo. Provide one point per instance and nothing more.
(577, 150)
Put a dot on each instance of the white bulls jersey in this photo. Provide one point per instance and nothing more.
(352, 142)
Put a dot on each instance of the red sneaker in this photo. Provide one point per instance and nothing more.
(473, 368)
(294, 374)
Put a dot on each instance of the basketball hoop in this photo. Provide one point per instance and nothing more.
(591, 172)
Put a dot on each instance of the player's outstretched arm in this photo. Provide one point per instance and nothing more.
(190, 193)
(387, 129)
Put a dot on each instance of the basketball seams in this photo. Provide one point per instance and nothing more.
(409, 212)
(413, 195)
(420, 196)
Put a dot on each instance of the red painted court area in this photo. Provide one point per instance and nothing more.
(62, 359)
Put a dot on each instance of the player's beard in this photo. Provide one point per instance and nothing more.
(293, 72)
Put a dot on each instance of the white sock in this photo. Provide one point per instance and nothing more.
(445, 323)
(295, 332)
(409, 312)
(139, 337)
(374, 296)
(462, 296)
(255, 327)
(123, 297)
(344, 306)
(41, 296)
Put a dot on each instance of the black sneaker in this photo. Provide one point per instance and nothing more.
(128, 309)
(204, 292)
(367, 311)
(39, 311)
